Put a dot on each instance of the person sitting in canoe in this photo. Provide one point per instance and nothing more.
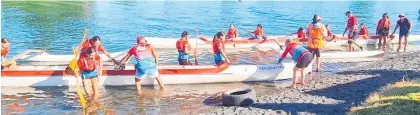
(95, 42)
(258, 33)
(363, 31)
(184, 49)
(329, 33)
(232, 33)
(88, 67)
(317, 33)
(301, 56)
(146, 62)
(405, 29)
(352, 28)
(382, 29)
(219, 49)
(10, 64)
(301, 35)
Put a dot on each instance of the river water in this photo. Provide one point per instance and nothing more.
(57, 26)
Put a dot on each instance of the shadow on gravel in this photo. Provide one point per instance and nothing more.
(353, 93)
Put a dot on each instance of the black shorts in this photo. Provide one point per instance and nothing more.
(404, 34)
(354, 37)
(184, 62)
(315, 52)
(305, 61)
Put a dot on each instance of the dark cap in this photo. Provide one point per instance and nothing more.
(185, 33)
(348, 12)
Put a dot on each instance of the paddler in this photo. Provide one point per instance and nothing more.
(89, 71)
(329, 33)
(146, 62)
(405, 29)
(10, 64)
(219, 49)
(301, 56)
(352, 28)
(258, 33)
(95, 42)
(363, 31)
(317, 33)
(301, 34)
(382, 29)
(184, 49)
(232, 33)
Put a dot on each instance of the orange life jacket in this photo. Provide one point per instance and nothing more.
(315, 36)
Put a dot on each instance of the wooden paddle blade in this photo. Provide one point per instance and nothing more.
(82, 98)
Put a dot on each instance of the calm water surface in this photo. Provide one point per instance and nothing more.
(56, 26)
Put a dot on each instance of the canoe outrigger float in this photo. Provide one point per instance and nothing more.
(28, 75)
(165, 43)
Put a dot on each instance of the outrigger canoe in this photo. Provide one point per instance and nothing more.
(165, 43)
(55, 75)
(46, 57)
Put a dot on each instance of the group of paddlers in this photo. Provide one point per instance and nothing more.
(89, 64)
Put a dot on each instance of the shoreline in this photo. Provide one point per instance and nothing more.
(332, 93)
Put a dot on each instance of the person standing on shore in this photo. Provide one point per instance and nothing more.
(184, 49)
(384, 25)
(352, 28)
(329, 33)
(301, 56)
(219, 49)
(405, 29)
(317, 33)
(146, 63)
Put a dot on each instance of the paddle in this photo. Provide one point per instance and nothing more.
(196, 44)
(73, 66)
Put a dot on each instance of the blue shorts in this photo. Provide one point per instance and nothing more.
(218, 59)
(404, 34)
(146, 68)
(89, 75)
(146, 72)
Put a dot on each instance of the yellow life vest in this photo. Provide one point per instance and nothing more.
(316, 35)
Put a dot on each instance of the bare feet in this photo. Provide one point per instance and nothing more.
(301, 82)
(292, 86)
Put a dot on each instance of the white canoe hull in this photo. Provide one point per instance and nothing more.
(233, 73)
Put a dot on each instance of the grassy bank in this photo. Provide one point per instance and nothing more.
(401, 98)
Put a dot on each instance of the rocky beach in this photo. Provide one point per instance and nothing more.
(332, 94)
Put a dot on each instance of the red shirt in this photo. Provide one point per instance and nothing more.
(182, 44)
(4, 51)
(232, 33)
(140, 51)
(363, 31)
(383, 23)
(218, 45)
(86, 64)
(98, 49)
(301, 34)
(259, 32)
(329, 31)
(352, 21)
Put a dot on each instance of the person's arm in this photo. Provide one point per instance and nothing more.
(389, 28)
(102, 49)
(223, 53)
(409, 25)
(155, 55)
(345, 30)
(377, 27)
(284, 54)
(236, 33)
(262, 33)
(396, 27)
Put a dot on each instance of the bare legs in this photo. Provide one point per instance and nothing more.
(318, 64)
(138, 84)
(295, 79)
(399, 43)
(91, 87)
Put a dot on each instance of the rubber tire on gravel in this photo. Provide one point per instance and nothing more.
(239, 97)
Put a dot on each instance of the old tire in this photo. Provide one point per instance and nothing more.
(239, 97)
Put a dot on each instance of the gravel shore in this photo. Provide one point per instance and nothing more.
(331, 94)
